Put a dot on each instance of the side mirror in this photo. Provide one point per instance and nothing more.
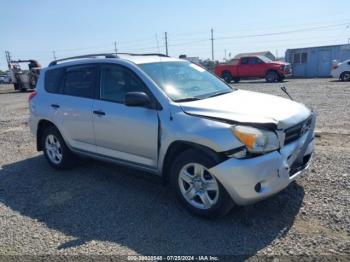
(137, 99)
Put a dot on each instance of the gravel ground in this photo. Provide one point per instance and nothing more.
(101, 209)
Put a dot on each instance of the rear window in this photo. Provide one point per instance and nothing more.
(53, 80)
(80, 81)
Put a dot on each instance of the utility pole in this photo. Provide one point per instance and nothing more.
(212, 44)
(225, 54)
(54, 55)
(115, 47)
(166, 42)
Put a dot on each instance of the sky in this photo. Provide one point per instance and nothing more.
(34, 29)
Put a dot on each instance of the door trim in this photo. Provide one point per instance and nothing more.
(116, 161)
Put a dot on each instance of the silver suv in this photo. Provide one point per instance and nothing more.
(216, 145)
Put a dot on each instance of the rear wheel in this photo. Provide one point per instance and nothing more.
(55, 149)
(196, 187)
(227, 77)
(345, 76)
(271, 76)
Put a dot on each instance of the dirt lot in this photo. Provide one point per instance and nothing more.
(99, 209)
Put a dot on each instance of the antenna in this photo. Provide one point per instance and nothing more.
(284, 89)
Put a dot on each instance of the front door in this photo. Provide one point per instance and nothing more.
(257, 68)
(123, 132)
(244, 67)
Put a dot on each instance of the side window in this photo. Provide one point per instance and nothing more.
(53, 80)
(255, 61)
(80, 81)
(296, 59)
(116, 81)
(245, 60)
(300, 58)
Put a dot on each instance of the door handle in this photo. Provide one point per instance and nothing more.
(99, 113)
(55, 106)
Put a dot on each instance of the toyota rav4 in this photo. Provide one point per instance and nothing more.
(216, 146)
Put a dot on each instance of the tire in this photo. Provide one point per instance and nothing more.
(236, 79)
(271, 76)
(345, 76)
(217, 201)
(59, 155)
(227, 77)
(280, 78)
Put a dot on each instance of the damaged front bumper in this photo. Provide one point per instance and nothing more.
(251, 180)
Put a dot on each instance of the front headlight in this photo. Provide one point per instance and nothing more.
(256, 140)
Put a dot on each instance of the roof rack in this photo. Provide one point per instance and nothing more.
(106, 55)
(147, 54)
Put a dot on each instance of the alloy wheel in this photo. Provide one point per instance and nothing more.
(198, 187)
(53, 149)
(346, 76)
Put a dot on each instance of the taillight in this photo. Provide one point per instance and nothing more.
(31, 95)
(335, 66)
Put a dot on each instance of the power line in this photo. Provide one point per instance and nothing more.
(281, 32)
(157, 43)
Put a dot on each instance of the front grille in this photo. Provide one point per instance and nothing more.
(295, 132)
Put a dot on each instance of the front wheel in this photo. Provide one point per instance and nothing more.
(345, 76)
(196, 187)
(280, 78)
(271, 76)
(236, 79)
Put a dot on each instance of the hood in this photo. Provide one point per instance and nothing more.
(279, 63)
(249, 107)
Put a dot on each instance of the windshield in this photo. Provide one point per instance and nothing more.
(184, 81)
(265, 59)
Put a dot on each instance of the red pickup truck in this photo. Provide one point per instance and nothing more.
(253, 67)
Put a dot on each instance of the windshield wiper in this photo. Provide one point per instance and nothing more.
(219, 94)
(187, 99)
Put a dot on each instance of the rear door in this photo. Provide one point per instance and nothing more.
(122, 132)
(73, 106)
